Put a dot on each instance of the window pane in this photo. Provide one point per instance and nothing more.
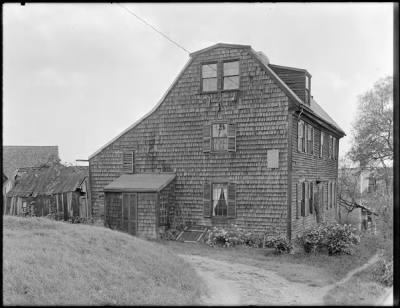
(307, 83)
(231, 82)
(220, 193)
(220, 144)
(210, 84)
(209, 70)
(220, 130)
(231, 68)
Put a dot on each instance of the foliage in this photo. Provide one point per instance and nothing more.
(372, 142)
(280, 244)
(170, 234)
(334, 238)
(384, 272)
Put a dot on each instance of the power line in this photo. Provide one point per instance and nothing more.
(164, 35)
(155, 29)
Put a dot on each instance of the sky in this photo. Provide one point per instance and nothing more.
(77, 75)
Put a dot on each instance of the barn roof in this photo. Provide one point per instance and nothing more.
(16, 156)
(143, 182)
(47, 180)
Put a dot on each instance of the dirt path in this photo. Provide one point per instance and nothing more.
(241, 284)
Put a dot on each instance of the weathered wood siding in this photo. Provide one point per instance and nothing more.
(147, 215)
(295, 80)
(310, 167)
(171, 139)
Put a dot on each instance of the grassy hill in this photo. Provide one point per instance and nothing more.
(53, 263)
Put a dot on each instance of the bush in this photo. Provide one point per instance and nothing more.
(280, 244)
(334, 238)
(384, 272)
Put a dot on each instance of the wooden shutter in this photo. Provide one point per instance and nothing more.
(207, 199)
(231, 137)
(321, 147)
(306, 199)
(127, 162)
(298, 199)
(231, 200)
(207, 138)
(302, 193)
(311, 196)
(299, 135)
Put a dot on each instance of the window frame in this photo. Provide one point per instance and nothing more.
(301, 139)
(227, 76)
(225, 183)
(202, 78)
(307, 89)
(321, 144)
(213, 138)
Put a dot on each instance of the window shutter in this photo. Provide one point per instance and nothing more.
(127, 162)
(298, 203)
(231, 137)
(321, 144)
(306, 198)
(207, 199)
(231, 200)
(302, 193)
(207, 138)
(299, 135)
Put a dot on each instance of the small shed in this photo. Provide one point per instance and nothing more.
(140, 204)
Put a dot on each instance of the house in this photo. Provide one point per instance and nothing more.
(15, 156)
(51, 189)
(235, 140)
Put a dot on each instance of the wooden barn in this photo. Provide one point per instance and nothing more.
(246, 141)
(49, 190)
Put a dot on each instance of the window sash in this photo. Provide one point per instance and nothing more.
(231, 75)
(219, 208)
(210, 84)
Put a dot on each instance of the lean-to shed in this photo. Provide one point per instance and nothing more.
(139, 203)
(53, 189)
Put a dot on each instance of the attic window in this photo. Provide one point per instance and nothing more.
(307, 90)
(231, 75)
(209, 78)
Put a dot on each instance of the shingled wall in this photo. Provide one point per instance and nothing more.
(310, 167)
(171, 139)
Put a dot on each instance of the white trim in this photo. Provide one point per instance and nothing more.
(147, 114)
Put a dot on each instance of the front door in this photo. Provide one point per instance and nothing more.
(129, 213)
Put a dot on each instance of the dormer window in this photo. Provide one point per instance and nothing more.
(209, 80)
(307, 90)
(231, 75)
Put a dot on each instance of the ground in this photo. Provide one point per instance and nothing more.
(258, 277)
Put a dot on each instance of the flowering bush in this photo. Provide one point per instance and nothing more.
(335, 238)
(384, 272)
(280, 244)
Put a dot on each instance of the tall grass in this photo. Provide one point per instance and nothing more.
(53, 263)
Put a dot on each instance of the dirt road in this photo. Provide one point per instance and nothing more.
(241, 284)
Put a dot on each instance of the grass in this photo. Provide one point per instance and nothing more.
(53, 263)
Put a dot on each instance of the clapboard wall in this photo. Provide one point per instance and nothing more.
(171, 139)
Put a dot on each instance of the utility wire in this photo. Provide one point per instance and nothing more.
(164, 35)
(155, 29)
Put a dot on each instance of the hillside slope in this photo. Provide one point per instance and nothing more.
(53, 263)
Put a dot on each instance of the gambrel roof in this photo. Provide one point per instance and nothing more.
(314, 109)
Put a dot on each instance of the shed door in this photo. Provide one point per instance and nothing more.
(129, 213)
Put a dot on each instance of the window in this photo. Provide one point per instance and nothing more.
(321, 144)
(300, 136)
(334, 148)
(330, 147)
(219, 137)
(128, 159)
(219, 199)
(301, 199)
(163, 211)
(231, 75)
(310, 139)
(307, 90)
(209, 80)
(311, 197)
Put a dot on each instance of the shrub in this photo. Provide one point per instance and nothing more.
(384, 272)
(236, 236)
(334, 238)
(280, 244)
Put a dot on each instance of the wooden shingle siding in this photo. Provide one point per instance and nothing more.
(260, 113)
(311, 168)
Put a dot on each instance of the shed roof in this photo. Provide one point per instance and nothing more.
(144, 182)
(16, 156)
(47, 180)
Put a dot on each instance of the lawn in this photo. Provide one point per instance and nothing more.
(53, 263)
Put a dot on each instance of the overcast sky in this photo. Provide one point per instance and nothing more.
(76, 75)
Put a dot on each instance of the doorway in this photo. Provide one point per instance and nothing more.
(129, 213)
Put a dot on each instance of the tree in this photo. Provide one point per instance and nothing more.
(372, 143)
